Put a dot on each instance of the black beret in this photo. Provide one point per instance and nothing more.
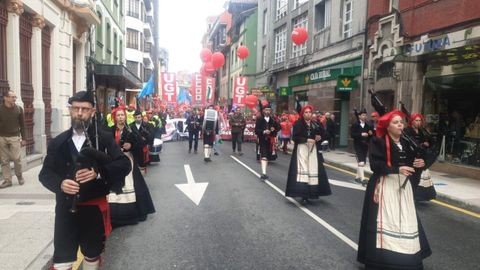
(363, 111)
(82, 96)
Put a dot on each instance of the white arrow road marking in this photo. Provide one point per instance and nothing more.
(322, 222)
(194, 191)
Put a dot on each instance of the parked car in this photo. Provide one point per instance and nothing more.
(175, 129)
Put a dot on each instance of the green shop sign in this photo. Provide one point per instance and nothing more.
(346, 83)
(284, 91)
(324, 74)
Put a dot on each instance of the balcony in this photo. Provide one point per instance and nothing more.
(147, 60)
(84, 9)
(147, 30)
(321, 39)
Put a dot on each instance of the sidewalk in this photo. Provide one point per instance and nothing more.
(26, 224)
(459, 191)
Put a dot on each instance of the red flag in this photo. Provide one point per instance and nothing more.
(240, 91)
(208, 86)
(169, 87)
(198, 95)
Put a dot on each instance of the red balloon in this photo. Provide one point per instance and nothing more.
(218, 60)
(299, 35)
(209, 68)
(242, 52)
(206, 55)
(251, 101)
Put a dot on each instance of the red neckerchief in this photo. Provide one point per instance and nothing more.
(389, 159)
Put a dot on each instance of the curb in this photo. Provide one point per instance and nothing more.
(440, 197)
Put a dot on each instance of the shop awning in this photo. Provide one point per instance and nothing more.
(116, 76)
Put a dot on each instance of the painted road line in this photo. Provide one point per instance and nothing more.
(304, 209)
(346, 184)
(467, 212)
(473, 214)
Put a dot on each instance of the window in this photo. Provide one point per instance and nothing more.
(281, 8)
(265, 22)
(98, 29)
(264, 57)
(120, 53)
(109, 38)
(347, 18)
(115, 47)
(300, 21)
(322, 15)
(297, 3)
(132, 66)
(132, 39)
(133, 8)
(280, 44)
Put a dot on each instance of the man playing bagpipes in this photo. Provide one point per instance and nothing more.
(81, 176)
(266, 129)
(361, 132)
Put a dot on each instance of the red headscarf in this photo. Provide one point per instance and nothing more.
(415, 116)
(374, 114)
(303, 110)
(384, 121)
(114, 113)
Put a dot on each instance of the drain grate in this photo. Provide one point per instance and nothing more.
(25, 203)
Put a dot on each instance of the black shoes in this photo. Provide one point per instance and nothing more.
(240, 153)
(207, 159)
(362, 182)
(264, 177)
(304, 201)
(216, 154)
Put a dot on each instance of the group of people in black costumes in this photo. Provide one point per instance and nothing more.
(94, 174)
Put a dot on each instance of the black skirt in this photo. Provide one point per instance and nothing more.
(304, 190)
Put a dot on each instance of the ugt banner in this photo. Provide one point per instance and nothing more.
(240, 91)
(197, 90)
(169, 87)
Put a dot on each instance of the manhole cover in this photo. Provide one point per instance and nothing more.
(25, 203)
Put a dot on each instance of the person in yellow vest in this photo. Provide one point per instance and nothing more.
(130, 114)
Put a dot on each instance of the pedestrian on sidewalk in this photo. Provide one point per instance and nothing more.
(266, 129)
(361, 133)
(209, 131)
(12, 138)
(81, 177)
(237, 123)
(331, 130)
(193, 126)
(307, 177)
(391, 234)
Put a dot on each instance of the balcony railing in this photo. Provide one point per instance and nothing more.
(322, 39)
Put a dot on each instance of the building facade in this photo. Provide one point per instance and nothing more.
(430, 63)
(140, 41)
(311, 71)
(42, 59)
(111, 75)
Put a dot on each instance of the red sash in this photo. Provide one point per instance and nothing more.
(102, 204)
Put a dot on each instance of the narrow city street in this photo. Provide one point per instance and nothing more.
(244, 223)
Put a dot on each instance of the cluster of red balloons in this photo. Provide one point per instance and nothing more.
(211, 62)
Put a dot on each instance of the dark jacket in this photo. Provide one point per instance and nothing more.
(59, 165)
(261, 125)
(237, 122)
(194, 123)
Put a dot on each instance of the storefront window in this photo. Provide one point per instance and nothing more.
(453, 116)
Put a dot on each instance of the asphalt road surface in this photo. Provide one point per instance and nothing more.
(241, 222)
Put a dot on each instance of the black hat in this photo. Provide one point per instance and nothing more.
(137, 112)
(82, 96)
(363, 111)
(267, 106)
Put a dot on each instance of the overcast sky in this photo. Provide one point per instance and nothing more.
(182, 24)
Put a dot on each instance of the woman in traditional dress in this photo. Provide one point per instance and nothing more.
(423, 188)
(134, 203)
(307, 177)
(391, 235)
